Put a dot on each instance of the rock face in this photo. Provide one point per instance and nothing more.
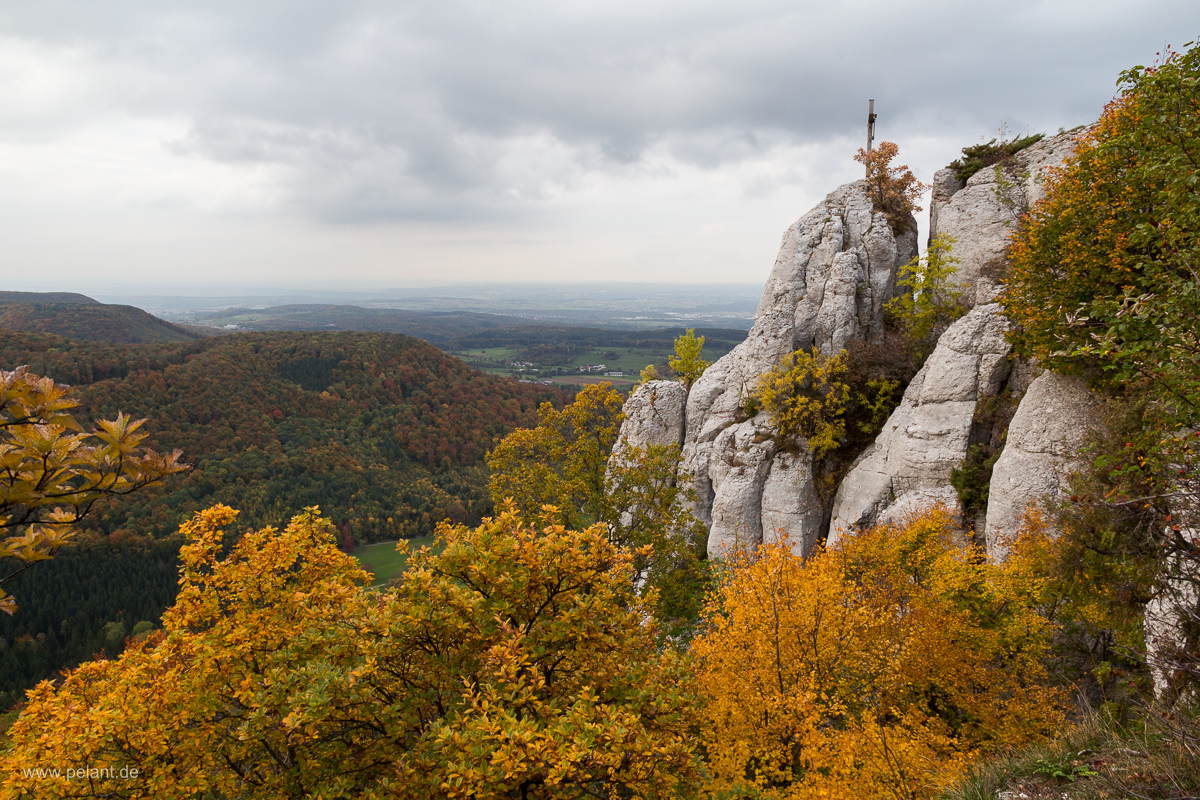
(835, 270)
(792, 512)
(980, 213)
(1168, 617)
(654, 414)
(928, 434)
(1042, 447)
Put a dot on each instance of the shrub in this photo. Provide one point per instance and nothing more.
(806, 396)
(686, 362)
(881, 668)
(1103, 279)
(516, 662)
(931, 300)
(977, 156)
(649, 373)
(972, 480)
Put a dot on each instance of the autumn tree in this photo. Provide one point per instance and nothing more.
(562, 460)
(894, 190)
(53, 470)
(563, 463)
(1104, 277)
(517, 662)
(686, 361)
(1104, 284)
(880, 668)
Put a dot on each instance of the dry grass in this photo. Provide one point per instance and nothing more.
(1153, 757)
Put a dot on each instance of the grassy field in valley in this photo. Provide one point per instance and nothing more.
(384, 561)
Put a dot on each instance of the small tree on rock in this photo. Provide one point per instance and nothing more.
(894, 190)
(686, 361)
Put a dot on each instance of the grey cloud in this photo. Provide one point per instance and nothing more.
(379, 110)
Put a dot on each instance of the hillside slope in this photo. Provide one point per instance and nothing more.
(80, 317)
(384, 432)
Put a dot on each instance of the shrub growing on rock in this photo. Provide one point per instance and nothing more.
(1104, 277)
(977, 156)
(806, 396)
(931, 300)
(894, 190)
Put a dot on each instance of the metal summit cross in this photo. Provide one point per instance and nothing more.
(870, 130)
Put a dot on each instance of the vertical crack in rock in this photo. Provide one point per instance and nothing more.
(908, 467)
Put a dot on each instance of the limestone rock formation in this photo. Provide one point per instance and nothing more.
(654, 415)
(792, 511)
(835, 270)
(1042, 447)
(928, 434)
(980, 213)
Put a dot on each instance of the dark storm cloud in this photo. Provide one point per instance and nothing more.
(475, 110)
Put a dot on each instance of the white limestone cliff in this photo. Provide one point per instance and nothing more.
(928, 434)
(981, 213)
(835, 269)
(1041, 449)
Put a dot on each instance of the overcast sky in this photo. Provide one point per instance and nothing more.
(170, 145)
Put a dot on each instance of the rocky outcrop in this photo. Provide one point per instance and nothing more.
(928, 434)
(654, 415)
(1041, 449)
(980, 213)
(792, 511)
(835, 269)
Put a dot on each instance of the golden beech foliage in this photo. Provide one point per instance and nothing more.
(516, 663)
(52, 470)
(881, 668)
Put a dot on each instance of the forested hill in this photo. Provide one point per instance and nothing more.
(385, 432)
(78, 316)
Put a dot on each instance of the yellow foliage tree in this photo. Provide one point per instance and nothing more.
(560, 470)
(686, 362)
(806, 396)
(562, 460)
(53, 470)
(516, 663)
(881, 668)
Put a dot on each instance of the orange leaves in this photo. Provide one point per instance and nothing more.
(888, 662)
(1102, 279)
(895, 190)
(518, 661)
(52, 470)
